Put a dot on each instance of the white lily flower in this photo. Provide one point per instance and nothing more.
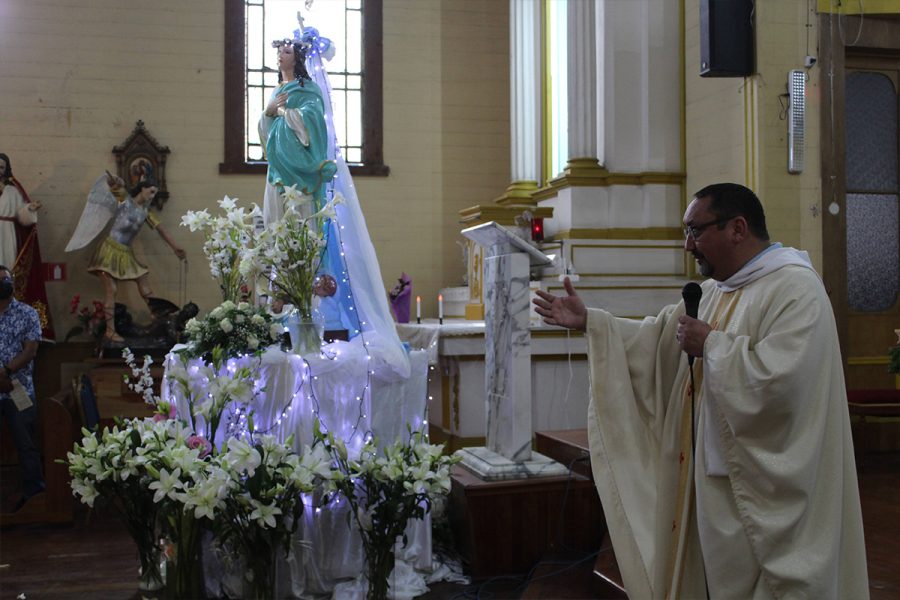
(265, 514)
(167, 485)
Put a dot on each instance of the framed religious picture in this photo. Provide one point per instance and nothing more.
(139, 158)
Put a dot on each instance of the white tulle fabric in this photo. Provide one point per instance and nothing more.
(388, 355)
(327, 553)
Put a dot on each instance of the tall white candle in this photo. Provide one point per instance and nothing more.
(440, 306)
(418, 307)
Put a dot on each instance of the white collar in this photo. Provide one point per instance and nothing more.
(768, 261)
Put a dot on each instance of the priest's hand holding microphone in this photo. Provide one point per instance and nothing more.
(691, 333)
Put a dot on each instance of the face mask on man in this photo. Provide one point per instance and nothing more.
(6, 288)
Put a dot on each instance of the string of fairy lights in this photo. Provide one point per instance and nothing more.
(238, 415)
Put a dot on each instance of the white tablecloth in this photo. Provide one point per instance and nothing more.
(427, 334)
(349, 402)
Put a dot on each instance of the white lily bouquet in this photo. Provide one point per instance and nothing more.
(228, 236)
(168, 480)
(264, 482)
(117, 466)
(236, 329)
(385, 489)
(289, 252)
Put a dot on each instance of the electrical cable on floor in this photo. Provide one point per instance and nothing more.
(562, 511)
(480, 591)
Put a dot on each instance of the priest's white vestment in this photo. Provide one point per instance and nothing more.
(769, 507)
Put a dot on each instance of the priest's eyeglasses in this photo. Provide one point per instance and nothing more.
(695, 231)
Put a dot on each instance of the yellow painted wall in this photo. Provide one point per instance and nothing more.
(75, 77)
(735, 130)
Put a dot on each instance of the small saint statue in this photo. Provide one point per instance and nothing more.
(400, 296)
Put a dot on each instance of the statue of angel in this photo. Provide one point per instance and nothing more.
(114, 259)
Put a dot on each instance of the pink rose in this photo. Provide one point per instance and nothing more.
(198, 441)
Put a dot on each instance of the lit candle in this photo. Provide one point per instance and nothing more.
(418, 309)
(440, 308)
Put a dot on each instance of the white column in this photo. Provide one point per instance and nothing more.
(525, 89)
(582, 78)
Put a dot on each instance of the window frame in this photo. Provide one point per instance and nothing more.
(235, 90)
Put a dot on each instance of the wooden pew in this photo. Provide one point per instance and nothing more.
(58, 425)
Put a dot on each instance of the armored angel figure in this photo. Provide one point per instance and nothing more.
(114, 259)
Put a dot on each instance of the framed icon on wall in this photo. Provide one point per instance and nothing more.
(141, 158)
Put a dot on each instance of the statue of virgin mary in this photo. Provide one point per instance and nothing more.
(297, 131)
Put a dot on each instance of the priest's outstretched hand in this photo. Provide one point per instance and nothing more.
(564, 311)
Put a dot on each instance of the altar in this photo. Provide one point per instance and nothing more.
(340, 386)
(456, 402)
(352, 398)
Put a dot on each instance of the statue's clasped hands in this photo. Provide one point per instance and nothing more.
(277, 102)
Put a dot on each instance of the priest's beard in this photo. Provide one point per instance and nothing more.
(703, 265)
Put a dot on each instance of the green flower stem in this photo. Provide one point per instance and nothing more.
(186, 576)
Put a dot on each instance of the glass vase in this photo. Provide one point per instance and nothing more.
(379, 566)
(151, 578)
(184, 571)
(138, 512)
(259, 578)
(306, 337)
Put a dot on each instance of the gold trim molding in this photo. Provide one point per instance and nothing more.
(860, 361)
(587, 172)
(519, 192)
(621, 233)
(475, 312)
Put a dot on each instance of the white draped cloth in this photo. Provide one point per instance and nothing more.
(770, 508)
(12, 206)
(294, 390)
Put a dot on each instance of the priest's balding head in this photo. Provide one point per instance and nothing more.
(724, 228)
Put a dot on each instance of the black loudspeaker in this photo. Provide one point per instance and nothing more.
(726, 38)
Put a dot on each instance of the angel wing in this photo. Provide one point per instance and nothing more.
(99, 209)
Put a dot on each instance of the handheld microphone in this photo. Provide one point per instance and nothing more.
(691, 293)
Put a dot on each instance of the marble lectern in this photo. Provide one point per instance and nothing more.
(507, 263)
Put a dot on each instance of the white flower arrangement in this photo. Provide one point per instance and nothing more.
(238, 329)
(212, 389)
(161, 474)
(117, 465)
(264, 482)
(228, 236)
(387, 489)
(209, 389)
(289, 252)
(143, 385)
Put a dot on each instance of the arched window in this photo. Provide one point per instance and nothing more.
(355, 26)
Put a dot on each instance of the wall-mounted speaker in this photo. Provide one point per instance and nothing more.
(726, 38)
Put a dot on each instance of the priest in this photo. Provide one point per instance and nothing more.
(733, 476)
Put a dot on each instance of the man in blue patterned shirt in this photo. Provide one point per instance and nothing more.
(20, 331)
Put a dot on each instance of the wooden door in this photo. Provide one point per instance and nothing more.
(871, 215)
(859, 87)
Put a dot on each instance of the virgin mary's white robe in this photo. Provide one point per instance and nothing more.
(769, 508)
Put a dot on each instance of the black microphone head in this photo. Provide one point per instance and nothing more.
(691, 293)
